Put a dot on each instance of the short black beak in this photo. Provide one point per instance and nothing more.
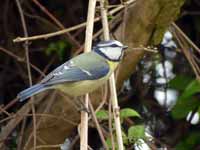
(124, 47)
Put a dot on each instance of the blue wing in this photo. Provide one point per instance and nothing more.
(87, 66)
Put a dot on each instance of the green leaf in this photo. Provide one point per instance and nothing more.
(50, 48)
(189, 142)
(102, 114)
(187, 102)
(60, 47)
(180, 82)
(128, 112)
(125, 138)
(110, 17)
(183, 107)
(109, 144)
(136, 132)
(191, 89)
(198, 110)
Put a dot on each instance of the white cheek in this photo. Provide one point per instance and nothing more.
(111, 52)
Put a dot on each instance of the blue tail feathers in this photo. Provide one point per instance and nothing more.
(30, 92)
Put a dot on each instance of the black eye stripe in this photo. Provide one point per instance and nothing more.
(112, 45)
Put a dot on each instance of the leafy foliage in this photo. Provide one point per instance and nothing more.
(59, 47)
(109, 143)
(189, 142)
(102, 114)
(136, 132)
(183, 107)
(180, 82)
(124, 113)
(128, 112)
(187, 100)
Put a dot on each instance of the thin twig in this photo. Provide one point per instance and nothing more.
(147, 49)
(186, 37)
(104, 98)
(10, 104)
(40, 115)
(98, 33)
(47, 67)
(75, 139)
(188, 55)
(48, 35)
(4, 111)
(50, 102)
(47, 146)
(34, 124)
(113, 93)
(21, 135)
(109, 6)
(57, 22)
(28, 68)
(11, 125)
(8, 52)
(97, 126)
(26, 42)
(125, 17)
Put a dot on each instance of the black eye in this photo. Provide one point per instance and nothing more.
(114, 45)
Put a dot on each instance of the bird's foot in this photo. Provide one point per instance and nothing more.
(80, 106)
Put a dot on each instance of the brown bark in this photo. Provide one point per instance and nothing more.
(146, 24)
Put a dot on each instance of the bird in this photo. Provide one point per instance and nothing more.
(83, 73)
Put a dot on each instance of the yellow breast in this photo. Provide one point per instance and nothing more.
(82, 87)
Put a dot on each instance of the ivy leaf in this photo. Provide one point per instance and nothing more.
(198, 110)
(125, 138)
(187, 101)
(59, 47)
(180, 82)
(189, 142)
(183, 107)
(136, 132)
(191, 89)
(109, 143)
(102, 114)
(128, 112)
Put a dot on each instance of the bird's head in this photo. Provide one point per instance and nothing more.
(112, 50)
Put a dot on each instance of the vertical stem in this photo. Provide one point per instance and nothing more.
(113, 95)
(89, 25)
(110, 125)
(116, 109)
(104, 21)
(84, 126)
(87, 48)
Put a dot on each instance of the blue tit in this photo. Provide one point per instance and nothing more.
(83, 73)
